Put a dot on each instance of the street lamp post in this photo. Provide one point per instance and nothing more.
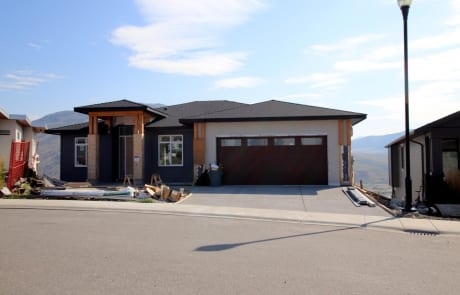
(404, 5)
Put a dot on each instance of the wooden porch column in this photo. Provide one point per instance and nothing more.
(345, 159)
(199, 147)
(138, 148)
(93, 150)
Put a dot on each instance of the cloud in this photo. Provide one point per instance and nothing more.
(34, 45)
(25, 79)
(454, 19)
(183, 37)
(440, 66)
(439, 41)
(364, 65)
(318, 80)
(238, 82)
(347, 44)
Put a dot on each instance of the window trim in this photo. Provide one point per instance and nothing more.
(76, 145)
(170, 142)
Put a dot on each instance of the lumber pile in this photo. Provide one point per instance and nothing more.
(164, 193)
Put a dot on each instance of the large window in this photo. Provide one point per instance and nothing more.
(81, 152)
(449, 156)
(170, 150)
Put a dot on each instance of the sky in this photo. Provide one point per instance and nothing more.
(347, 55)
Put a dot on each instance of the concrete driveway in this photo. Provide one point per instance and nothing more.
(326, 199)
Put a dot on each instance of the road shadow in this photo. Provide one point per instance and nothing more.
(222, 247)
(229, 246)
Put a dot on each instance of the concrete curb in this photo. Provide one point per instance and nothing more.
(401, 224)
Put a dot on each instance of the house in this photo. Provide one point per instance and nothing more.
(18, 145)
(271, 142)
(434, 158)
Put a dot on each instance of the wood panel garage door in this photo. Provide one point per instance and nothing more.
(273, 160)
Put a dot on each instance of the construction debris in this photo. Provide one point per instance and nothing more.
(165, 193)
(357, 198)
(5, 191)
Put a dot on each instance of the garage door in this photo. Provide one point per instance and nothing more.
(273, 160)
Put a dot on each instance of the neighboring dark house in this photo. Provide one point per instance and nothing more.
(434, 159)
(271, 142)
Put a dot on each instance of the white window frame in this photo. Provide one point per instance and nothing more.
(77, 144)
(18, 135)
(170, 142)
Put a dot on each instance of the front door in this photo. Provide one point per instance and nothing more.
(125, 152)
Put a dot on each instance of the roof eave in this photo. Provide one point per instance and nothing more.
(355, 119)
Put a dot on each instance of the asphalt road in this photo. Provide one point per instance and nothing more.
(91, 252)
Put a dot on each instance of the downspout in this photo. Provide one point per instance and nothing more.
(423, 167)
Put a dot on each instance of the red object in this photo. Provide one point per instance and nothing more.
(18, 161)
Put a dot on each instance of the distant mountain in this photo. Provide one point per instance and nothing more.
(61, 119)
(49, 145)
(374, 143)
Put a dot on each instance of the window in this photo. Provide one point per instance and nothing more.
(170, 150)
(81, 152)
(449, 156)
(311, 141)
(230, 142)
(284, 141)
(18, 135)
(257, 141)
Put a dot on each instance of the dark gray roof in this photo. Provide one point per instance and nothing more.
(274, 110)
(119, 105)
(218, 111)
(176, 112)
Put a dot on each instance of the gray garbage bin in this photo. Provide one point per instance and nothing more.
(215, 177)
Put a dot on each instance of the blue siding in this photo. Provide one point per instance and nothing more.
(68, 170)
(171, 175)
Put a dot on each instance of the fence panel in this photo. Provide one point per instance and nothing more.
(18, 161)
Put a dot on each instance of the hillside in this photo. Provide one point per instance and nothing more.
(374, 143)
(371, 161)
(48, 144)
(62, 118)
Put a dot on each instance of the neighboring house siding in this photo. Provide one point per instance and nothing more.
(278, 128)
(29, 135)
(426, 158)
(399, 170)
(176, 174)
(68, 170)
(6, 140)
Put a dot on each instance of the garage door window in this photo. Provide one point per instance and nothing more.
(170, 150)
(257, 141)
(284, 141)
(231, 142)
(311, 141)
